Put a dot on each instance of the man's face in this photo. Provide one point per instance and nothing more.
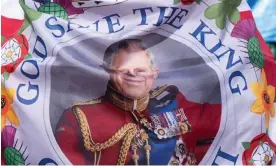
(135, 75)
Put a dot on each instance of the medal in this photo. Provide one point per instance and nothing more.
(191, 159)
(170, 124)
(183, 127)
(174, 162)
(155, 121)
(180, 150)
(145, 123)
(161, 132)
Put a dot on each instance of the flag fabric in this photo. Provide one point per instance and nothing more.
(135, 82)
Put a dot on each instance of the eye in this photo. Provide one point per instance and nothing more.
(123, 71)
(140, 70)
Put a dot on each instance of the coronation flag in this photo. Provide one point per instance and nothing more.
(105, 82)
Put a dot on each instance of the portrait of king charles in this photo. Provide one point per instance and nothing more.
(134, 123)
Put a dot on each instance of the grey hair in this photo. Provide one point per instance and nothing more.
(130, 45)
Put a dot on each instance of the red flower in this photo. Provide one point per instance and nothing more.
(13, 51)
(187, 2)
(259, 151)
(10, 26)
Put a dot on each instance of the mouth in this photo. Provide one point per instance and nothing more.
(133, 81)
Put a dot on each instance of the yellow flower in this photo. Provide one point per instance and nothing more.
(265, 96)
(7, 111)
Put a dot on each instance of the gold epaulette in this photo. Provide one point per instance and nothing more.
(157, 91)
(90, 102)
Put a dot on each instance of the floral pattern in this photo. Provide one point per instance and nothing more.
(259, 151)
(7, 111)
(269, 65)
(10, 27)
(262, 154)
(53, 9)
(187, 2)
(13, 51)
(223, 10)
(70, 9)
(59, 8)
(246, 29)
(13, 152)
(14, 44)
(265, 96)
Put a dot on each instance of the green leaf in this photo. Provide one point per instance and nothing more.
(198, 1)
(221, 21)
(2, 39)
(6, 75)
(232, 3)
(24, 26)
(176, 1)
(251, 161)
(30, 14)
(234, 15)
(28, 56)
(212, 11)
(246, 145)
(237, 2)
(261, 143)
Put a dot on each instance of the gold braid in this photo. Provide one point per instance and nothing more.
(128, 130)
(125, 146)
(158, 91)
(95, 101)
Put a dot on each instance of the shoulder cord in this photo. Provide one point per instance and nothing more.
(128, 131)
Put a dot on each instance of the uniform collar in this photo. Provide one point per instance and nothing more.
(126, 103)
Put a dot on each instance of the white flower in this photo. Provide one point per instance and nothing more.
(11, 51)
(262, 154)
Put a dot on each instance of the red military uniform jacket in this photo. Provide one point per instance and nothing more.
(102, 131)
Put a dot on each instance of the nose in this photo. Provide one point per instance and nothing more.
(131, 72)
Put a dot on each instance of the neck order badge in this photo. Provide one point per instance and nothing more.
(135, 82)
